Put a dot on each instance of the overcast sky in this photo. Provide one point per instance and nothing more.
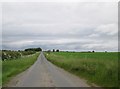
(77, 26)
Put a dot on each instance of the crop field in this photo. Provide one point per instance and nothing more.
(98, 68)
(13, 67)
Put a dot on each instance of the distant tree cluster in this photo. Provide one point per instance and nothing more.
(88, 51)
(57, 50)
(33, 49)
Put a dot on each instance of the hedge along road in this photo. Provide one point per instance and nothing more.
(44, 74)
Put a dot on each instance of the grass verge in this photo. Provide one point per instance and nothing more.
(0, 73)
(11, 68)
(99, 68)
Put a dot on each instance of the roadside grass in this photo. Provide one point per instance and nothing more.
(0, 73)
(11, 68)
(98, 68)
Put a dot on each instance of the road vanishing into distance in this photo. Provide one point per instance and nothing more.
(44, 74)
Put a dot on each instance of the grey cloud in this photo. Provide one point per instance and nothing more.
(66, 26)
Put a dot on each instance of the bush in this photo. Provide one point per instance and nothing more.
(9, 55)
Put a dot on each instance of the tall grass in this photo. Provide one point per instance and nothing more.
(0, 73)
(99, 68)
(11, 68)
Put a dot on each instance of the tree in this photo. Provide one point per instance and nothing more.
(33, 49)
(105, 51)
(57, 50)
(49, 51)
(53, 50)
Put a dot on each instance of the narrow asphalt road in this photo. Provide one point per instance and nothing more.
(44, 74)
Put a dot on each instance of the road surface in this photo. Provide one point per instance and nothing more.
(44, 74)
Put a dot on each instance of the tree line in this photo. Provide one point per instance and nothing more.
(33, 49)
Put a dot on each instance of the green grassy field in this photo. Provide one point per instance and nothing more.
(0, 73)
(98, 68)
(11, 68)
